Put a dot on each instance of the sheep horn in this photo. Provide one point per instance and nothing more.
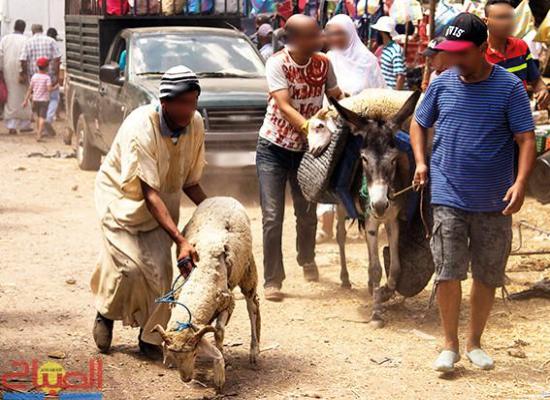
(158, 328)
(203, 331)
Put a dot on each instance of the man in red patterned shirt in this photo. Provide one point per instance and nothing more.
(512, 53)
(298, 77)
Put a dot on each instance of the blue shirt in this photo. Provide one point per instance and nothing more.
(472, 164)
(392, 63)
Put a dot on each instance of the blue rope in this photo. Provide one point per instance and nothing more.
(169, 298)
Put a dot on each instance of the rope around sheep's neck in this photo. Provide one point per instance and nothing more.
(169, 297)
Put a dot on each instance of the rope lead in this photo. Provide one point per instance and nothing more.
(169, 297)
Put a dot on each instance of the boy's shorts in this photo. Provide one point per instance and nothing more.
(460, 237)
(40, 108)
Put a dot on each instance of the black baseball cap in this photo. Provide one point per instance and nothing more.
(465, 31)
(431, 49)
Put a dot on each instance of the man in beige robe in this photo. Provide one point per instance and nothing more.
(157, 154)
(15, 115)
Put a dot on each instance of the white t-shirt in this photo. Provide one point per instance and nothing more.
(306, 84)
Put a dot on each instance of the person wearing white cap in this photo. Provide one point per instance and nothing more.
(392, 61)
(157, 154)
(265, 40)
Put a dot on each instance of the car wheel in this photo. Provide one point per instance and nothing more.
(87, 156)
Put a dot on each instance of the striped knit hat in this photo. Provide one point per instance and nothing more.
(178, 80)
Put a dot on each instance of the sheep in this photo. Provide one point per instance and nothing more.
(220, 231)
(377, 104)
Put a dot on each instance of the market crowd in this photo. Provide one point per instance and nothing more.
(30, 71)
(483, 151)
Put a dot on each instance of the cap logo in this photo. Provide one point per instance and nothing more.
(454, 31)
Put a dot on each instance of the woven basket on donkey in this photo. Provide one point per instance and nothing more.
(314, 173)
(417, 266)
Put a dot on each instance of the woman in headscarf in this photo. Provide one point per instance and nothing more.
(356, 69)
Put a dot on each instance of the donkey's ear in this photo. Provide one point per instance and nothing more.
(347, 115)
(407, 109)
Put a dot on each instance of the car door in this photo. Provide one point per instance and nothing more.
(113, 97)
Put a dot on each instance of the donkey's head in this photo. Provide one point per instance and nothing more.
(379, 153)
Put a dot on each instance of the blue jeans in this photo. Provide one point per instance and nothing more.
(277, 166)
(52, 107)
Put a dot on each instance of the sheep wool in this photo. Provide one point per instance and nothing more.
(375, 103)
(220, 231)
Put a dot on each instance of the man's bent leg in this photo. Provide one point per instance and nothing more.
(272, 175)
(133, 270)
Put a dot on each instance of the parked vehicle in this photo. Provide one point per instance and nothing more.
(99, 94)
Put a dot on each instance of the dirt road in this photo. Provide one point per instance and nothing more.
(315, 344)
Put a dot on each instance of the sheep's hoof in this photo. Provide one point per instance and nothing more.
(345, 285)
(377, 323)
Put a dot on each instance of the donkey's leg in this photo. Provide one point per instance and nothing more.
(392, 229)
(375, 272)
(341, 239)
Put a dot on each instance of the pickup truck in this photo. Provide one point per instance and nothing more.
(100, 93)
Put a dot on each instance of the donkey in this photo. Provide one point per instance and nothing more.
(387, 171)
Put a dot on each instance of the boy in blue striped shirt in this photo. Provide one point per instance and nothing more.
(478, 110)
(392, 61)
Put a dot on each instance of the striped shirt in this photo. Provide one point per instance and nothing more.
(40, 45)
(39, 85)
(472, 164)
(392, 63)
(516, 59)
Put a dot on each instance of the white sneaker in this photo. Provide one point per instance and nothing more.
(480, 359)
(446, 360)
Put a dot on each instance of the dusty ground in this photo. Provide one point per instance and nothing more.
(315, 344)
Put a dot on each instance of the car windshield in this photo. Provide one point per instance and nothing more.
(207, 55)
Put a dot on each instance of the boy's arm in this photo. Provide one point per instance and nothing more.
(418, 136)
(424, 118)
(400, 71)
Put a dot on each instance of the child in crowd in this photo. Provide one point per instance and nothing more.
(40, 88)
(439, 61)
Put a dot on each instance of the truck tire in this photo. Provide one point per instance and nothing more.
(87, 156)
